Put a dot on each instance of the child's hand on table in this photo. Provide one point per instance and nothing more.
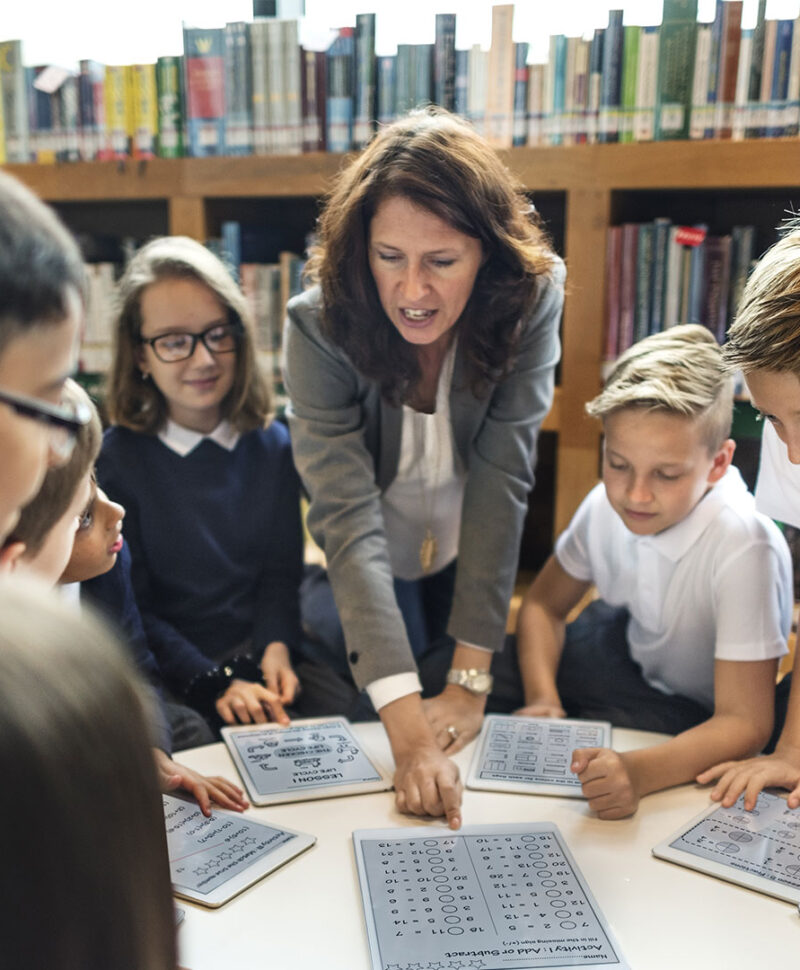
(781, 769)
(246, 701)
(224, 793)
(606, 782)
(279, 676)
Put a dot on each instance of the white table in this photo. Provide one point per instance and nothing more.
(309, 915)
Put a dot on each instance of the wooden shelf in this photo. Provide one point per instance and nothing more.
(589, 176)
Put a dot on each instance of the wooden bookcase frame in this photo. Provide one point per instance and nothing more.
(590, 177)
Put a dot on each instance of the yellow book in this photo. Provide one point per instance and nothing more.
(119, 124)
(145, 110)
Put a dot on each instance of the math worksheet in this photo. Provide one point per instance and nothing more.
(488, 897)
(532, 755)
(758, 849)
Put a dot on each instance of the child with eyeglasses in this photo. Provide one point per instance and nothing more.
(208, 482)
(42, 302)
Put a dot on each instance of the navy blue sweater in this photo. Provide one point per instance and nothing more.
(216, 543)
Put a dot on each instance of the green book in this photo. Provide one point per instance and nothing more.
(675, 69)
(169, 74)
(630, 67)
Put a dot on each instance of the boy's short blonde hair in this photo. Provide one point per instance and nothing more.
(766, 331)
(60, 484)
(679, 371)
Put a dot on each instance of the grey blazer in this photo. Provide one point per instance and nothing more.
(346, 443)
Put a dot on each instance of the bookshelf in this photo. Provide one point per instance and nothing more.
(587, 187)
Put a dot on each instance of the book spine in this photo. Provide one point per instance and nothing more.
(742, 253)
(767, 63)
(69, 101)
(779, 87)
(169, 78)
(519, 135)
(675, 69)
(444, 61)
(741, 107)
(423, 74)
(712, 82)
(461, 85)
(554, 90)
(568, 122)
(644, 281)
(238, 89)
(581, 90)
(15, 102)
(204, 66)
(595, 84)
(611, 85)
(145, 110)
(627, 287)
(476, 90)
(258, 54)
(646, 78)
(364, 121)
(341, 55)
(276, 96)
(231, 246)
(404, 64)
(293, 108)
(312, 127)
(717, 281)
(612, 301)
(672, 285)
(536, 111)
(792, 126)
(387, 90)
(702, 66)
(730, 48)
(753, 127)
(630, 66)
(693, 313)
(661, 228)
(500, 91)
(116, 101)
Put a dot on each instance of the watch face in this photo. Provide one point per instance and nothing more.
(481, 682)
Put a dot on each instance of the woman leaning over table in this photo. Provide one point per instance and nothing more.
(419, 370)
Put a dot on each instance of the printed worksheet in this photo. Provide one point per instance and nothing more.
(314, 758)
(532, 755)
(213, 859)
(487, 897)
(758, 849)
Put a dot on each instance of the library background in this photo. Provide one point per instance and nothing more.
(662, 157)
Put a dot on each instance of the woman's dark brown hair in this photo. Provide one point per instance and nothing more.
(438, 162)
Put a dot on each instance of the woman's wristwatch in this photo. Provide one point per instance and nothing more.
(477, 682)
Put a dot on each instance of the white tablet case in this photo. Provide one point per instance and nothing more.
(313, 758)
(492, 896)
(532, 755)
(758, 849)
(213, 859)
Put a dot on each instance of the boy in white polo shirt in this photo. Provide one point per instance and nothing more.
(694, 585)
(764, 342)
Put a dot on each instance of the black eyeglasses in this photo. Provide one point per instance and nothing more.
(222, 338)
(63, 421)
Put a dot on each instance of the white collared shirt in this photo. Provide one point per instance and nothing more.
(183, 440)
(717, 585)
(778, 485)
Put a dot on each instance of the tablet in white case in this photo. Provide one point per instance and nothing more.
(532, 755)
(213, 859)
(758, 849)
(314, 758)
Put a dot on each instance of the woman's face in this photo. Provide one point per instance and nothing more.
(424, 269)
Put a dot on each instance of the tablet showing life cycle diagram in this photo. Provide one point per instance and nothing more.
(497, 897)
(532, 755)
(758, 849)
(211, 860)
(308, 759)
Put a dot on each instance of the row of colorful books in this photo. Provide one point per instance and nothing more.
(251, 88)
(660, 274)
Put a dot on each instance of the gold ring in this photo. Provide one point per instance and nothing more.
(453, 732)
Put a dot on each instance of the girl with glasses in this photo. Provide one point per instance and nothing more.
(212, 498)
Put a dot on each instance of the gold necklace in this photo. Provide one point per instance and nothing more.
(429, 545)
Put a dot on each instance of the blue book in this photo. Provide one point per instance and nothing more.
(779, 91)
(231, 246)
(697, 260)
(644, 281)
(519, 131)
(611, 80)
(461, 83)
(660, 252)
(558, 56)
(341, 80)
(387, 91)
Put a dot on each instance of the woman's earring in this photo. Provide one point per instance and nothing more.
(145, 375)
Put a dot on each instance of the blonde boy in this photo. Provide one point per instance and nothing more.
(764, 342)
(694, 585)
